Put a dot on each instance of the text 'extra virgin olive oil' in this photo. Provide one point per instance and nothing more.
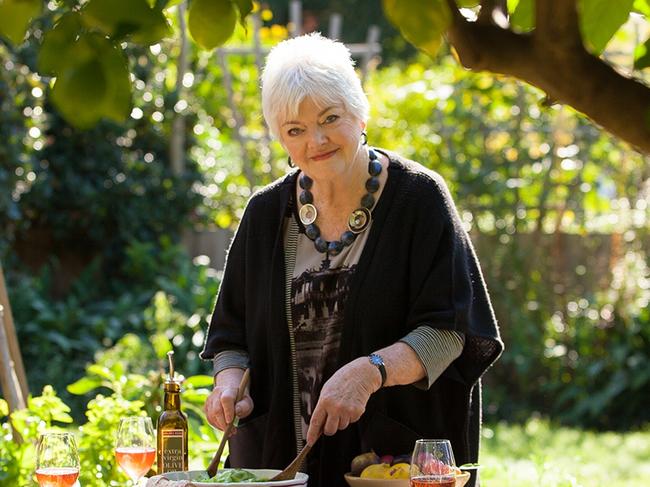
(172, 427)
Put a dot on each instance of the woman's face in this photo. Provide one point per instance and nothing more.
(322, 141)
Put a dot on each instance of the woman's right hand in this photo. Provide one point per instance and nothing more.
(220, 408)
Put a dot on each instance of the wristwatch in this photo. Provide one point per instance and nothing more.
(378, 362)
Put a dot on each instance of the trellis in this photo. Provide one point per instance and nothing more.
(12, 371)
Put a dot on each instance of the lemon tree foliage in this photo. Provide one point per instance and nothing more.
(555, 46)
(424, 29)
(15, 16)
(522, 15)
(423, 23)
(84, 51)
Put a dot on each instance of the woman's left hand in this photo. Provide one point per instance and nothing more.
(343, 398)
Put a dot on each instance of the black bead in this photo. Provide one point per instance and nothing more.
(374, 168)
(372, 155)
(348, 237)
(305, 182)
(335, 247)
(312, 231)
(372, 185)
(368, 201)
(306, 197)
(320, 244)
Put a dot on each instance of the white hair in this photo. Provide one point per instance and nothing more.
(310, 66)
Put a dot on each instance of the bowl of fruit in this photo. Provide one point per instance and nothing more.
(371, 470)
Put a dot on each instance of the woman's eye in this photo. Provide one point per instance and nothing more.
(331, 118)
(294, 131)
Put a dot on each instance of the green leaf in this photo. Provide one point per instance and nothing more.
(642, 7)
(57, 49)
(49, 406)
(161, 344)
(197, 381)
(15, 17)
(196, 396)
(153, 32)
(512, 5)
(421, 23)
(84, 385)
(170, 3)
(4, 408)
(642, 55)
(101, 371)
(522, 16)
(117, 104)
(245, 7)
(78, 94)
(211, 22)
(600, 19)
(123, 18)
(92, 82)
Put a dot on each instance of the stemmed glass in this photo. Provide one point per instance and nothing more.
(57, 460)
(134, 449)
(432, 464)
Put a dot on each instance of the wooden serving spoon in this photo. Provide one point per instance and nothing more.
(290, 472)
(214, 464)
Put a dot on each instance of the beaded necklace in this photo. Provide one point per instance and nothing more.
(358, 221)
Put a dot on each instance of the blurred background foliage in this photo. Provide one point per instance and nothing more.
(101, 285)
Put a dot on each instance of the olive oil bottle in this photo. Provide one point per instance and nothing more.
(172, 427)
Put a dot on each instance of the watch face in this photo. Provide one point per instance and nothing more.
(376, 360)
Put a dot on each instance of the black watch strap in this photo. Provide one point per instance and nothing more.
(378, 362)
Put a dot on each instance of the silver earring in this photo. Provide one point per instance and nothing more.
(365, 138)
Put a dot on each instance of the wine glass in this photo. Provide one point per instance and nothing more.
(57, 460)
(134, 449)
(432, 464)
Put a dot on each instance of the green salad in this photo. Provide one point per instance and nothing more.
(232, 476)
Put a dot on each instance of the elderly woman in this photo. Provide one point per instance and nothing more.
(351, 290)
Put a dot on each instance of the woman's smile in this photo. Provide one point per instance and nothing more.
(323, 155)
(323, 140)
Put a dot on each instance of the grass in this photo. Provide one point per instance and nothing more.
(541, 454)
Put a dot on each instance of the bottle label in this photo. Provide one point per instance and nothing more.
(173, 451)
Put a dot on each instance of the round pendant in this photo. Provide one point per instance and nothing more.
(308, 214)
(359, 220)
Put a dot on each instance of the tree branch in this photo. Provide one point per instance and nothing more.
(556, 24)
(566, 72)
(488, 10)
(485, 13)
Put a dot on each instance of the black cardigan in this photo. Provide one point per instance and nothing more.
(418, 267)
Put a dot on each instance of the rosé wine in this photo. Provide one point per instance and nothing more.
(57, 476)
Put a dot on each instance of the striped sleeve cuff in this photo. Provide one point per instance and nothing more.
(229, 359)
(436, 349)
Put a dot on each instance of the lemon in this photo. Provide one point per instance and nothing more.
(376, 471)
(211, 22)
(399, 471)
